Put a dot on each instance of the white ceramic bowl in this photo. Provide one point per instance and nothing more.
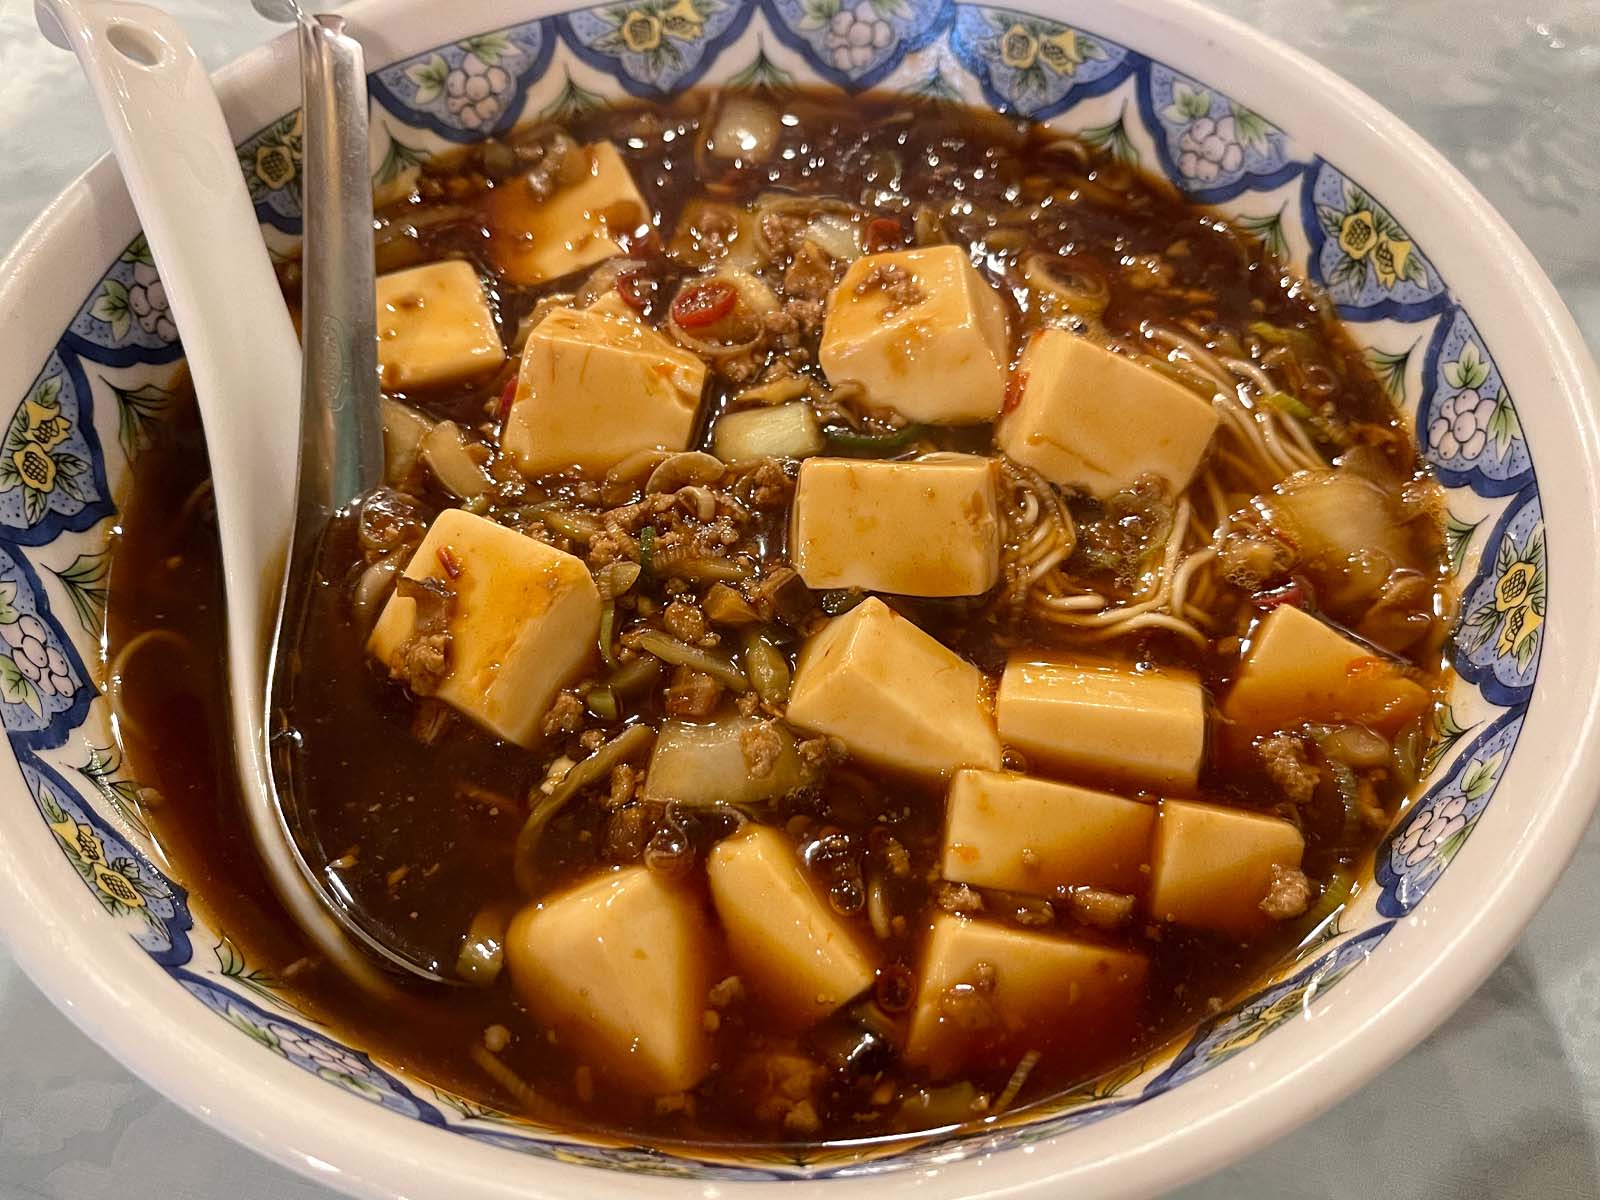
(1483, 358)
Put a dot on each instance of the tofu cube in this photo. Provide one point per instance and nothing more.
(1211, 867)
(523, 623)
(535, 239)
(1096, 421)
(1020, 834)
(703, 764)
(896, 696)
(1299, 669)
(620, 966)
(923, 332)
(912, 528)
(1103, 721)
(596, 387)
(435, 327)
(1033, 991)
(800, 957)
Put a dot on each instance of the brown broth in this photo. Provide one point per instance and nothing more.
(430, 828)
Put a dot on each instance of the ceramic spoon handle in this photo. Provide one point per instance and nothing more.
(173, 147)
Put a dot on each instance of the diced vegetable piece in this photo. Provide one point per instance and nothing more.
(1346, 532)
(595, 388)
(893, 694)
(620, 966)
(716, 763)
(403, 430)
(923, 332)
(1299, 669)
(1103, 721)
(537, 238)
(1089, 419)
(1020, 834)
(784, 431)
(435, 327)
(1211, 867)
(913, 528)
(794, 951)
(987, 991)
(523, 623)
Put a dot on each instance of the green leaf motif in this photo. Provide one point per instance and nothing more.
(937, 87)
(763, 75)
(1113, 138)
(1445, 733)
(122, 794)
(1457, 537)
(574, 101)
(138, 251)
(1330, 218)
(1390, 369)
(139, 410)
(1480, 625)
(85, 581)
(111, 306)
(1251, 128)
(1468, 371)
(1269, 230)
(17, 688)
(72, 476)
(1504, 427)
(48, 393)
(429, 78)
(1188, 104)
(8, 608)
(492, 48)
(34, 505)
(1480, 777)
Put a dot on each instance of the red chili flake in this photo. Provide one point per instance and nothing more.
(702, 304)
(449, 561)
(1294, 594)
(637, 289)
(502, 410)
(1016, 384)
(882, 234)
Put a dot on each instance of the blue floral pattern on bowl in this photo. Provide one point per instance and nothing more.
(121, 347)
(471, 88)
(1032, 65)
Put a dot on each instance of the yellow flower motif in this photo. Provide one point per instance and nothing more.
(1517, 628)
(682, 21)
(1060, 52)
(275, 165)
(46, 426)
(116, 885)
(641, 32)
(1389, 260)
(81, 839)
(1019, 49)
(1511, 590)
(1358, 233)
(38, 469)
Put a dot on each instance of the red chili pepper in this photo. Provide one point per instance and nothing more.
(1016, 384)
(449, 561)
(1295, 594)
(502, 410)
(636, 289)
(702, 304)
(882, 233)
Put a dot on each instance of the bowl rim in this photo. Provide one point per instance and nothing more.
(342, 1142)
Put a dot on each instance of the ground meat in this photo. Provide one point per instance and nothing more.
(820, 752)
(762, 745)
(1289, 895)
(810, 275)
(782, 232)
(896, 283)
(565, 715)
(1284, 757)
(1102, 910)
(729, 990)
(780, 1087)
(684, 620)
(627, 833)
(766, 486)
(968, 1004)
(692, 694)
(624, 782)
(957, 898)
(422, 662)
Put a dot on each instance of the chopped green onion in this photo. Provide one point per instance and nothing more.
(608, 625)
(840, 600)
(871, 445)
(1292, 405)
(602, 702)
(767, 668)
(647, 551)
(634, 676)
(680, 654)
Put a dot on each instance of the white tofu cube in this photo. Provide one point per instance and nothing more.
(1089, 419)
(523, 623)
(912, 528)
(620, 965)
(594, 388)
(534, 240)
(923, 332)
(435, 327)
(896, 696)
(1030, 990)
(701, 764)
(1103, 722)
(800, 957)
(1020, 834)
(1211, 867)
(1298, 669)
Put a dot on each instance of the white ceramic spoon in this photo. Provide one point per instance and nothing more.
(172, 144)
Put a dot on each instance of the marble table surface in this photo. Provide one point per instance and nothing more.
(1503, 1101)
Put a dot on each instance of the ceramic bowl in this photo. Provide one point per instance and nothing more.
(1446, 303)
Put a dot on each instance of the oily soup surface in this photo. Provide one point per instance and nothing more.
(996, 354)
